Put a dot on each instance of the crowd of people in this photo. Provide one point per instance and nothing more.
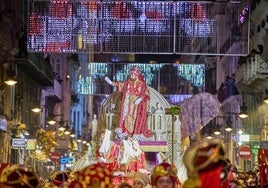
(206, 165)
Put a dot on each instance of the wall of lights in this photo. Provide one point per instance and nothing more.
(184, 77)
(131, 26)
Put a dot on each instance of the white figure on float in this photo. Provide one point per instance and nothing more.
(94, 126)
(108, 151)
(162, 158)
(182, 171)
(85, 160)
(159, 118)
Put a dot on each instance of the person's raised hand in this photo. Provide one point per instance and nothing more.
(108, 80)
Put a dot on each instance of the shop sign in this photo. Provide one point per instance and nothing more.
(66, 160)
(31, 144)
(19, 142)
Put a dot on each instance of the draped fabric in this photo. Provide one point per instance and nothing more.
(197, 112)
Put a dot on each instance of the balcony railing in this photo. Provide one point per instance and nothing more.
(253, 69)
(56, 90)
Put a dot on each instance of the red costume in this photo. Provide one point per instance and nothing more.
(131, 159)
(108, 151)
(135, 98)
(93, 176)
(205, 163)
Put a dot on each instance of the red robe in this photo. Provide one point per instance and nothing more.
(133, 118)
(110, 156)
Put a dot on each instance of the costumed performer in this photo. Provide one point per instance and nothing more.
(131, 159)
(140, 180)
(182, 171)
(206, 165)
(126, 164)
(84, 161)
(134, 102)
(139, 157)
(164, 175)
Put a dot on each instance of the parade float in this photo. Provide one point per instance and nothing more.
(126, 151)
(164, 144)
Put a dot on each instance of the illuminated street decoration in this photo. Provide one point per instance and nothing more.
(149, 71)
(193, 72)
(243, 17)
(86, 83)
(69, 26)
(89, 81)
(195, 20)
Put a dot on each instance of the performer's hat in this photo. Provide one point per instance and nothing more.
(142, 178)
(164, 169)
(205, 163)
(16, 176)
(94, 176)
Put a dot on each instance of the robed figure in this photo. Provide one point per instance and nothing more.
(134, 102)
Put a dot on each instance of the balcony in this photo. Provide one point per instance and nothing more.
(251, 72)
(56, 90)
(37, 67)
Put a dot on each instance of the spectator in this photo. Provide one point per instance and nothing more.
(164, 175)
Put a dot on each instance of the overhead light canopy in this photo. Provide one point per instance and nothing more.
(67, 132)
(79, 139)
(61, 126)
(209, 137)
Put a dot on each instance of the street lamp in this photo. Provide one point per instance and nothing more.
(10, 82)
(266, 96)
(10, 78)
(79, 139)
(72, 134)
(61, 126)
(243, 112)
(36, 109)
(51, 119)
(11, 73)
(229, 126)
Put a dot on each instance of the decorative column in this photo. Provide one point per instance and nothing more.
(174, 111)
(159, 122)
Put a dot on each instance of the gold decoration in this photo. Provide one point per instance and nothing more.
(46, 140)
